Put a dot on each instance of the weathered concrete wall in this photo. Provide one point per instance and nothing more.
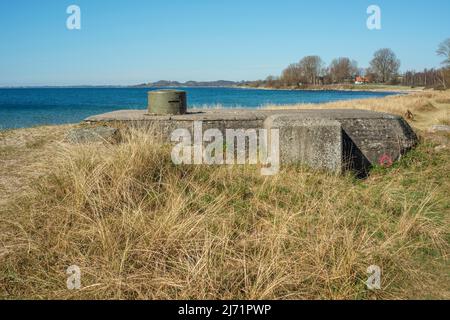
(378, 137)
(315, 142)
(368, 138)
(329, 139)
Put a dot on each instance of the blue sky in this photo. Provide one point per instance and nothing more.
(135, 41)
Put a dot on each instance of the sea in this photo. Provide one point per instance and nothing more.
(29, 107)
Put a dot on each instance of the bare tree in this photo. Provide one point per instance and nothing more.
(385, 64)
(342, 68)
(311, 68)
(444, 50)
(425, 78)
(271, 81)
(292, 75)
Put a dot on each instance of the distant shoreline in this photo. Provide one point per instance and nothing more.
(355, 89)
(324, 88)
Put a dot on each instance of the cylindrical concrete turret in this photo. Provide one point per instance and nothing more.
(167, 102)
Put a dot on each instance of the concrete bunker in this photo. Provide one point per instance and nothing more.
(332, 139)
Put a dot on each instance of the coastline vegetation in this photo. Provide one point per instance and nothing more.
(343, 73)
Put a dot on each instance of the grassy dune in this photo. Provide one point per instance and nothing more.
(140, 227)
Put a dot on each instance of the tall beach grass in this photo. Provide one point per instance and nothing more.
(140, 227)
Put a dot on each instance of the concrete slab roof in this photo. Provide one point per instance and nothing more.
(240, 115)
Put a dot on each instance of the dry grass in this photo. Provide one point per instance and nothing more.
(20, 152)
(141, 228)
(444, 101)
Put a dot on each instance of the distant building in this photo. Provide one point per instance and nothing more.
(361, 80)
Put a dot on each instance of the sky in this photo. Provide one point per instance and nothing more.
(125, 42)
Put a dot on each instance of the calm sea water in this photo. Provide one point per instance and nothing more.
(31, 107)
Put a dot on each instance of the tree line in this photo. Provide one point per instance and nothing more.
(384, 69)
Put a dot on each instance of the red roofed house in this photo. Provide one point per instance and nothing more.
(361, 80)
